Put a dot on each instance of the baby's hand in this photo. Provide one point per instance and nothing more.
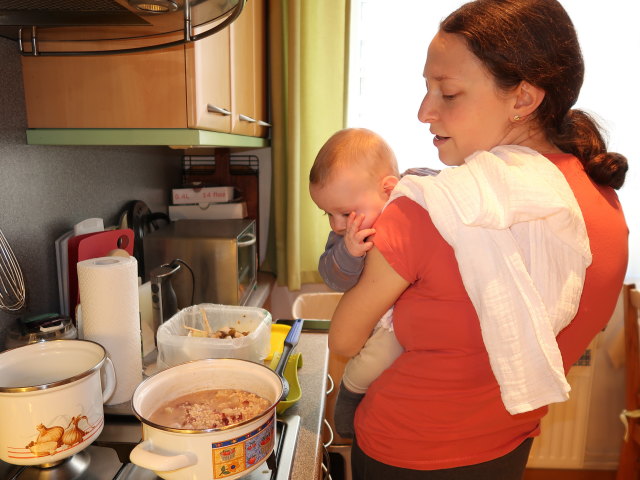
(355, 238)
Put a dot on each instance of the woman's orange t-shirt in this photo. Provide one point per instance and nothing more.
(439, 406)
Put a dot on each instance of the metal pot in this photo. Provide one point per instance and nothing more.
(230, 452)
(51, 400)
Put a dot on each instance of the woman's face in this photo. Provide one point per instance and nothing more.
(463, 105)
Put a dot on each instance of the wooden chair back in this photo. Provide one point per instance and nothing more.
(629, 465)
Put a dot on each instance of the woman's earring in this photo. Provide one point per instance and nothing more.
(516, 118)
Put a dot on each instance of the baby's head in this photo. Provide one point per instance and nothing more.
(354, 171)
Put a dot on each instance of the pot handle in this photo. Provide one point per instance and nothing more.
(144, 456)
(109, 384)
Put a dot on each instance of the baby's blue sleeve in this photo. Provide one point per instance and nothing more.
(338, 268)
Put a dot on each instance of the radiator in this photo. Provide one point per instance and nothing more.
(585, 432)
(562, 443)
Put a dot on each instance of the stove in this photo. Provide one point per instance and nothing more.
(108, 457)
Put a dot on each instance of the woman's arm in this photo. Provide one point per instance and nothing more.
(361, 307)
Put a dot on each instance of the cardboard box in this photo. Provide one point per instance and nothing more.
(208, 211)
(190, 196)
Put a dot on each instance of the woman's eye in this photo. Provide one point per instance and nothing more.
(448, 97)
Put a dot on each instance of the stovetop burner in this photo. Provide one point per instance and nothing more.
(108, 457)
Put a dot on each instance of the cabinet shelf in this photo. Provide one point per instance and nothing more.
(174, 137)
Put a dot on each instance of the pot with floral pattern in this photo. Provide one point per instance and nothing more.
(51, 397)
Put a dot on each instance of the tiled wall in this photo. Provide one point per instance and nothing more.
(45, 190)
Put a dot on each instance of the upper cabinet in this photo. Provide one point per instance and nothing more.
(248, 67)
(217, 83)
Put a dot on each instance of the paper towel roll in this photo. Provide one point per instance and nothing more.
(110, 313)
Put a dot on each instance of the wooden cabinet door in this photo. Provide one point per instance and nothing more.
(260, 73)
(243, 71)
(134, 90)
(209, 82)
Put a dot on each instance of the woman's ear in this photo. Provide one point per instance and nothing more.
(528, 99)
(388, 184)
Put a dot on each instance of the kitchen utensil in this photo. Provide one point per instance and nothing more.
(38, 328)
(12, 289)
(51, 399)
(278, 334)
(291, 375)
(137, 216)
(289, 343)
(62, 265)
(229, 452)
(163, 297)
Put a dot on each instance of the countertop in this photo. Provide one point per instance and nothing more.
(313, 382)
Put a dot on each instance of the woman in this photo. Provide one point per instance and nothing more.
(498, 72)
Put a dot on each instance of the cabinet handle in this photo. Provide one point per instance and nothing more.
(330, 383)
(245, 118)
(326, 445)
(214, 109)
(262, 123)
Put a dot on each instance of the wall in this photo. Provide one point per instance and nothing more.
(45, 190)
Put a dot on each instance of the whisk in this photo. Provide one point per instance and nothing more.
(12, 289)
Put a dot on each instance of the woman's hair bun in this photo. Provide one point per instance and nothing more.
(608, 168)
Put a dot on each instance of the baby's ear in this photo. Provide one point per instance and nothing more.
(388, 183)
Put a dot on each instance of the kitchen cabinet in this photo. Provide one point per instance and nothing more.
(213, 84)
(248, 71)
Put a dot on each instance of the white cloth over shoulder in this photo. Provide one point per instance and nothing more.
(522, 248)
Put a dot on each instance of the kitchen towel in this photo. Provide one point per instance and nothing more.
(111, 317)
(522, 248)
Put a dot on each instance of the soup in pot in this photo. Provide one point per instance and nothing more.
(207, 409)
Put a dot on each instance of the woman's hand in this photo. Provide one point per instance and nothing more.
(361, 307)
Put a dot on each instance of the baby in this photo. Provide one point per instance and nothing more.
(351, 180)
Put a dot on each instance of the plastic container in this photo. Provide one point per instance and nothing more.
(175, 346)
(320, 305)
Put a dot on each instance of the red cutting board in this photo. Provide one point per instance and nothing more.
(93, 245)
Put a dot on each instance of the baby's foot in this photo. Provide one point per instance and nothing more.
(345, 411)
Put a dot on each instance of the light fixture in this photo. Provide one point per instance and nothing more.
(151, 6)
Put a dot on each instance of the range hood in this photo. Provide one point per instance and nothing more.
(92, 27)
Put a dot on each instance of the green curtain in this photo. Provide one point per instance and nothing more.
(308, 75)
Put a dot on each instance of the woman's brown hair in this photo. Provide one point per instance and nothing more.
(535, 41)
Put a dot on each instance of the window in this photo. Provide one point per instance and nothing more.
(388, 50)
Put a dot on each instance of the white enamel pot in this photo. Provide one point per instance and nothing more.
(229, 452)
(51, 397)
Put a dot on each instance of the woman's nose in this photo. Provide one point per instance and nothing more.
(426, 112)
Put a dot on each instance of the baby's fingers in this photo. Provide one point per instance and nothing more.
(363, 234)
(355, 221)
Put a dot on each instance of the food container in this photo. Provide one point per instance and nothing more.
(175, 347)
(51, 399)
(229, 452)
